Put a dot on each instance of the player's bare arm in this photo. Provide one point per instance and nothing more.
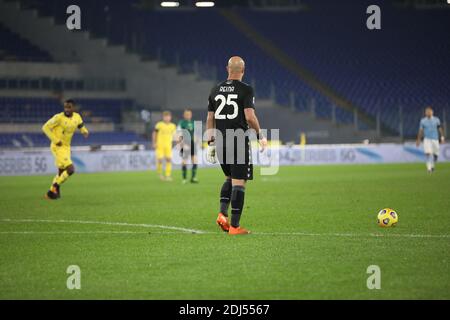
(211, 150)
(419, 137)
(253, 122)
(210, 125)
(154, 138)
(84, 131)
(441, 131)
(178, 138)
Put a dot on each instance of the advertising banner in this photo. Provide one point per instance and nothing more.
(30, 162)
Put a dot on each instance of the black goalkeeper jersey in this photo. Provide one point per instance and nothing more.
(228, 101)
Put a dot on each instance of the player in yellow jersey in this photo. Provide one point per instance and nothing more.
(162, 142)
(60, 129)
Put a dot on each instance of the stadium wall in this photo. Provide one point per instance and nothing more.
(147, 82)
(16, 163)
(40, 69)
(37, 127)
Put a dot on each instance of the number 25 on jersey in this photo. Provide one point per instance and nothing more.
(229, 100)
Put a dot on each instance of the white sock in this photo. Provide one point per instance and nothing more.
(429, 162)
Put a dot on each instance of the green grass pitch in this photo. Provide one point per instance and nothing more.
(315, 234)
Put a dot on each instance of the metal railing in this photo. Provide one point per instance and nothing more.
(63, 84)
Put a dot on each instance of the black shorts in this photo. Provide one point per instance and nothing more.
(238, 171)
(188, 150)
(237, 165)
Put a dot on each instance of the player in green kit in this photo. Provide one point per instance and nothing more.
(187, 143)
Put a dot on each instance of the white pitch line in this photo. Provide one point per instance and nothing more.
(301, 234)
(90, 232)
(143, 225)
(186, 230)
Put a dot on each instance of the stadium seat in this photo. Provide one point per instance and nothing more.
(31, 110)
(22, 140)
(404, 66)
(15, 48)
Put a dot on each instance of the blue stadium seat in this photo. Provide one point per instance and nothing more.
(30, 110)
(21, 140)
(405, 64)
(15, 48)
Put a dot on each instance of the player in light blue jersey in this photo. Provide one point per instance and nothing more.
(430, 129)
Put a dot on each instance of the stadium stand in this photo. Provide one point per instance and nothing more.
(27, 110)
(392, 73)
(163, 34)
(21, 111)
(371, 70)
(404, 64)
(60, 84)
(14, 48)
(21, 140)
(36, 110)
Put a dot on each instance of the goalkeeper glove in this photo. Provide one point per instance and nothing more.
(211, 152)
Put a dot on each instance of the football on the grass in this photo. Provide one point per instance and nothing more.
(387, 218)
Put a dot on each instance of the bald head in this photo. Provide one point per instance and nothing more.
(235, 68)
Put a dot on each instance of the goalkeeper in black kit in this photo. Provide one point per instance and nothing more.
(231, 112)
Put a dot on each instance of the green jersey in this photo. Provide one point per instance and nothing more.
(187, 125)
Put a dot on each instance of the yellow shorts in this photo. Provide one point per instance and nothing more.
(62, 156)
(164, 151)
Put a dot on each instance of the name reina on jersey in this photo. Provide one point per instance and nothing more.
(226, 89)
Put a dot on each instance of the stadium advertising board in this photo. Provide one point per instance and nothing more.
(41, 163)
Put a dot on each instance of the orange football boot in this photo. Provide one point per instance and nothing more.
(222, 222)
(239, 230)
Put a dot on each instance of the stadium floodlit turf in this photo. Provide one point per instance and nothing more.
(315, 234)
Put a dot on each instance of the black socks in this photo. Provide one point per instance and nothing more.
(237, 203)
(194, 171)
(184, 170)
(225, 197)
